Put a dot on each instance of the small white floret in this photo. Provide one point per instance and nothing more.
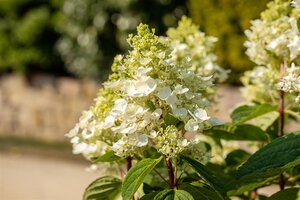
(164, 93)
(75, 140)
(191, 125)
(79, 148)
(145, 61)
(180, 90)
(120, 105)
(140, 88)
(130, 129)
(172, 100)
(201, 115)
(142, 140)
(109, 122)
(86, 134)
(180, 112)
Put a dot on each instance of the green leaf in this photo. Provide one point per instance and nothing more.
(237, 187)
(169, 194)
(240, 132)
(236, 157)
(287, 194)
(272, 131)
(266, 120)
(280, 154)
(202, 192)
(219, 171)
(164, 195)
(193, 191)
(245, 113)
(148, 188)
(182, 195)
(136, 175)
(107, 157)
(150, 195)
(151, 153)
(104, 188)
(152, 182)
(207, 175)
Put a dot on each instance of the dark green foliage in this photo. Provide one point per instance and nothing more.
(136, 176)
(287, 194)
(245, 113)
(274, 158)
(236, 157)
(208, 176)
(227, 20)
(166, 194)
(150, 195)
(104, 188)
(240, 132)
(27, 36)
(203, 192)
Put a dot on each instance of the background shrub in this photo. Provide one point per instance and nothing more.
(27, 36)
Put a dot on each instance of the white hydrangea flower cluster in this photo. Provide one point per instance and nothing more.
(259, 84)
(189, 43)
(291, 82)
(272, 40)
(149, 101)
(271, 37)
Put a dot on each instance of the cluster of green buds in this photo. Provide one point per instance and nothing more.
(155, 94)
(273, 41)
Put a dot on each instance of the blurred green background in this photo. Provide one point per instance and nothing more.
(80, 37)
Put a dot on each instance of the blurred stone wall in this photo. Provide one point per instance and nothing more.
(44, 108)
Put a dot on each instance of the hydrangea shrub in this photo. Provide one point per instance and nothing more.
(152, 116)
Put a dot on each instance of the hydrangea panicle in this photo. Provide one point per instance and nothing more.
(149, 100)
(273, 39)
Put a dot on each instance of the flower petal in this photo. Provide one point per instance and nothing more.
(142, 140)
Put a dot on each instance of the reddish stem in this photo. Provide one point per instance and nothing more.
(170, 172)
(129, 165)
(281, 104)
(129, 162)
(281, 118)
(281, 182)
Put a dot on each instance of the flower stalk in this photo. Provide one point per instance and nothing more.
(129, 165)
(129, 162)
(170, 173)
(281, 118)
(281, 102)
